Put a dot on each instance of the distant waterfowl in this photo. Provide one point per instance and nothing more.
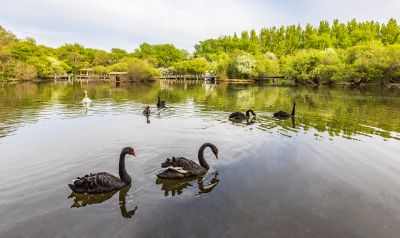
(179, 167)
(160, 103)
(241, 116)
(285, 115)
(146, 111)
(103, 182)
(86, 99)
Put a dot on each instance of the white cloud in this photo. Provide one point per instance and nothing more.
(125, 24)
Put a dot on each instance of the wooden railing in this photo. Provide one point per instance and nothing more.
(190, 77)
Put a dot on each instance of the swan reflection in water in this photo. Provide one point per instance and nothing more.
(86, 106)
(285, 122)
(146, 113)
(177, 186)
(82, 200)
(293, 123)
(250, 121)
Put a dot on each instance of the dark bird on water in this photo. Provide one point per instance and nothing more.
(179, 167)
(285, 115)
(160, 103)
(146, 111)
(241, 116)
(103, 182)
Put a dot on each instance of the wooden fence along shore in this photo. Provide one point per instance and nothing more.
(89, 74)
(189, 77)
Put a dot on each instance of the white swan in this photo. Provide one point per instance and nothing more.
(86, 99)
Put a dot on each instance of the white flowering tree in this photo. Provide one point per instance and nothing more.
(246, 65)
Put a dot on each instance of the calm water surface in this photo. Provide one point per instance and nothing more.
(333, 172)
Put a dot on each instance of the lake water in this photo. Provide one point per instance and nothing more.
(334, 172)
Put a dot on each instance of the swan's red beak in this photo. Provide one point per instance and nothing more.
(133, 153)
(216, 156)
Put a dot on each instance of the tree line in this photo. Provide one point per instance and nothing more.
(355, 52)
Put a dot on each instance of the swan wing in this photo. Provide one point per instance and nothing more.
(178, 169)
(86, 100)
(97, 182)
(281, 114)
(181, 162)
(171, 174)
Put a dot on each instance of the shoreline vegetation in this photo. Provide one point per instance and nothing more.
(352, 53)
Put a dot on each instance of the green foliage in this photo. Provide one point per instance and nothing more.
(314, 66)
(220, 65)
(246, 65)
(289, 39)
(163, 55)
(355, 52)
(140, 70)
(196, 66)
(267, 64)
(74, 56)
(6, 38)
(24, 71)
(392, 73)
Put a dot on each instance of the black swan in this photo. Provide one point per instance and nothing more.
(146, 111)
(241, 116)
(103, 182)
(160, 103)
(179, 167)
(285, 115)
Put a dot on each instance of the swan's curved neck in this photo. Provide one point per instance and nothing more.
(124, 176)
(294, 108)
(248, 113)
(202, 161)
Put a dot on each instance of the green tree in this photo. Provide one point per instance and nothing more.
(163, 55)
(246, 65)
(196, 66)
(390, 32)
(139, 70)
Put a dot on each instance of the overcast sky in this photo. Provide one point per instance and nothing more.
(105, 24)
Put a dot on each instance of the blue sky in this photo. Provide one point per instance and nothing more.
(125, 24)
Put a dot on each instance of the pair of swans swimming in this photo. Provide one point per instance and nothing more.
(176, 168)
(239, 116)
(235, 116)
(160, 104)
(147, 111)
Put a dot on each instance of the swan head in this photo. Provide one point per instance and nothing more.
(214, 149)
(129, 150)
